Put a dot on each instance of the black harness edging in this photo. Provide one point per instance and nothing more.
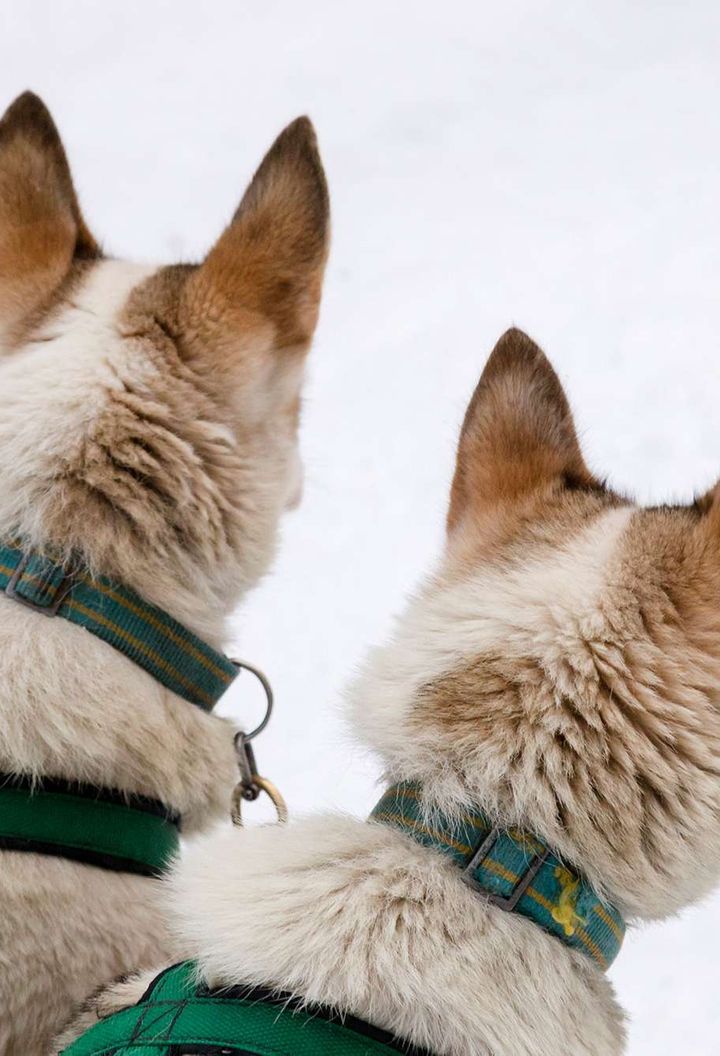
(324, 1012)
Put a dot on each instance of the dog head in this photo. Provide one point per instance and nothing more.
(149, 415)
(562, 667)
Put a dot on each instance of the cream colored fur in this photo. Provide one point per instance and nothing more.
(539, 603)
(561, 669)
(363, 919)
(148, 427)
(350, 914)
(353, 915)
(75, 708)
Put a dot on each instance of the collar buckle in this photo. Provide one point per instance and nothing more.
(66, 584)
(505, 902)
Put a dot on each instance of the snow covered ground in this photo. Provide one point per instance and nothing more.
(551, 165)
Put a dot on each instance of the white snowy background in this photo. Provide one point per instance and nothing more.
(551, 165)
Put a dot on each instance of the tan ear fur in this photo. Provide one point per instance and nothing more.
(518, 435)
(41, 227)
(265, 272)
(708, 505)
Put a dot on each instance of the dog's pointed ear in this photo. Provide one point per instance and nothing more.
(709, 506)
(265, 272)
(41, 226)
(518, 435)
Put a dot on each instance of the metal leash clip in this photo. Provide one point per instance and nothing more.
(251, 784)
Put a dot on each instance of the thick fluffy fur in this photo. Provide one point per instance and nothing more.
(561, 668)
(149, 425)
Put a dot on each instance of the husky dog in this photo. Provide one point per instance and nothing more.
(148, 432)
(560, 674)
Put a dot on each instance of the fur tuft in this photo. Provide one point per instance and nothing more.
(348, 913)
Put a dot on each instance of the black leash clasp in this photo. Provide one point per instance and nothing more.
(251, 784)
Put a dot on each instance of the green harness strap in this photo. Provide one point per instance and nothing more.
(177, 1016)
(150, 637)
(515, 870)
(100, 827)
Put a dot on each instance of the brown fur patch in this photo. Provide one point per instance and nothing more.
(518, 435)
(520, 478)
(42, 231)
(618, 737)
(541, 520)
(154, 464)
(268, 265)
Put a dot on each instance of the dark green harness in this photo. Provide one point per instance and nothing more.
(176, 1016)
(101, 826)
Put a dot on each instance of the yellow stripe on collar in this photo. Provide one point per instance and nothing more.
(514, 870)
(150, 637)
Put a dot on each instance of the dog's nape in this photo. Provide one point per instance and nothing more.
(193, 372)
(562, 667)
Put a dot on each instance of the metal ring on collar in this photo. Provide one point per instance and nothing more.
(269, 696)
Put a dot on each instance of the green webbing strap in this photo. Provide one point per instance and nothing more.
(100, 827)
(175, 1016)
(513, 869)
(147, 635)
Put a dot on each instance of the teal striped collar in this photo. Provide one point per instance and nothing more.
(150, 637)
(514, 870)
